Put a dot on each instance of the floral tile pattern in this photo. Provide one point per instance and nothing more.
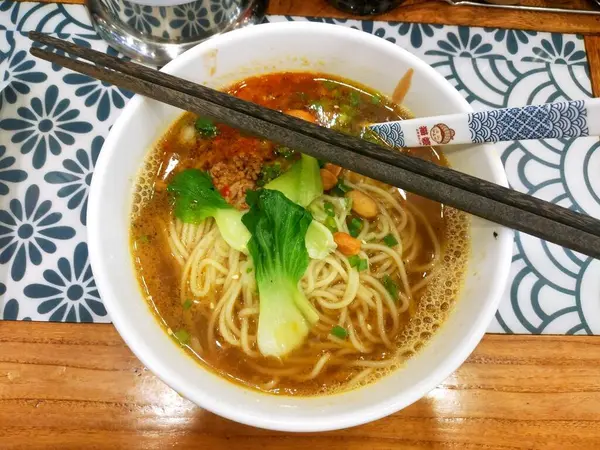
(53, 123)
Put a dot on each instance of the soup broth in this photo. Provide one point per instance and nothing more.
(377, 305)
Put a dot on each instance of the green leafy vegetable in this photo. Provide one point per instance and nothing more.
(355, 226)
(206, 127)
(187, 304)
(302, 183)
(339, 332)
(319, 240)
(391, 286)
(182, 336)
(354, 98)
(390, 240)
(197, 199)
(278, 227)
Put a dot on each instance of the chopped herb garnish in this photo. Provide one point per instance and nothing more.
(370, 136)
(390, 286)
(267, 173)
(329, 209)
(187, 304)
(144, 239)
(363, 264)
(341, 188)
(321, 163)
(390, 240)
(249, 269)
(376, 99)
(495, 235)
(354, 98)
(285, 152)
(330, 85)
(359, 263)
(206, 127)
(330, 223)
(355, 226)
(182, 336)
(343, 119)
(339, 332)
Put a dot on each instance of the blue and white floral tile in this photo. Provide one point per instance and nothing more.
(53, 123)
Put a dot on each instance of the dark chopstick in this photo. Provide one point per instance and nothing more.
(398, 159)
(292, 132)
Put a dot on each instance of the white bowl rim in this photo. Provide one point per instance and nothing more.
(211, 402)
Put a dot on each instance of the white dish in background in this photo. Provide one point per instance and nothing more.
(218, 62)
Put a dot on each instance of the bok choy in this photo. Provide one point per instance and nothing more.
(302, 183)
(197, 199)
(278, 227)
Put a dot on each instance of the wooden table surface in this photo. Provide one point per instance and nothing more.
(78, 386)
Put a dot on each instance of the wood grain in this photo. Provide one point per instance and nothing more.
(439, 12)
(592, 48)
(78, 385)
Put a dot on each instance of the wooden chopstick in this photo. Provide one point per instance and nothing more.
(301, 136)
(398, 159)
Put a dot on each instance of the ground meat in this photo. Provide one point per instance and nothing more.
(234, 177)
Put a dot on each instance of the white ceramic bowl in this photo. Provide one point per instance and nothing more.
(228, 58)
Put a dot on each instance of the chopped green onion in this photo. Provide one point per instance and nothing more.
(330, 223)
(144, 239)
(343, 186)
(267, 173)
(182, 336)
(359, 263)
(340, 188)
(390, 286)
(206, 127)
(329, 209)
(363, 264)
(187, 304)
(370, 136)
(390, 240)
(330, 85)
(376, 100)
(249, 269)
(354, 98)
(285, 152)
(355, 226)
(339, 332)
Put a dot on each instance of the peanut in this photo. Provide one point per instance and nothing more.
(362, 204)
(329, 180)
(336, 170)
(346, 243)
(300, 114)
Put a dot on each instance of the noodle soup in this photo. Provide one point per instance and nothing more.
(378, 279)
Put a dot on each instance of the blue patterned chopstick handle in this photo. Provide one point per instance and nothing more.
(553, 120)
